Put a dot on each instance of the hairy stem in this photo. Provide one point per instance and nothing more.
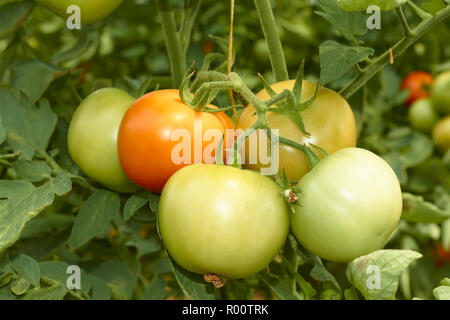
(272, 36)
(174, 47)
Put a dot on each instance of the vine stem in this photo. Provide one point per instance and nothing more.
(173, 42)
(272, 36)
(402, 18)
(230, 53)
(397, 49)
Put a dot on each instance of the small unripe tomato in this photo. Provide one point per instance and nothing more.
(441, 134)
(92, 137)
(441, 93)
(422, 115)
(350, 204)
(221, 220)
(419, 83)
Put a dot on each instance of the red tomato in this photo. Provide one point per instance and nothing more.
(208, 47)
(441, 256)
(158, 130)
(419, 83)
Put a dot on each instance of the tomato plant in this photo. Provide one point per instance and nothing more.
(92, 137)
(148, 137)
(441, 93)
(422, 115)
(419, 84)
(212, 220)
(350, 204)
(329, 120)
(90, 11)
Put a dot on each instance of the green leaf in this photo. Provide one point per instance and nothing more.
(351, 294)
(56, 292)
(28, 129)
(47, 224)
(100, 289)
(26, 267)
(306, 287)
(33, 171)
(119, 278)
(442, 293)
(12, 15)
(21, 201)
(278, 287)
(134, 203)
(144, 246)
(362, 5)
(94, 217)
(336, 59)
(193, 285)
(348, 23)
(156, 290)
(6, 294)
(377, 275)
(415, 209)
(20, 286)
(33, 78)
(57, 270)
(433, 6)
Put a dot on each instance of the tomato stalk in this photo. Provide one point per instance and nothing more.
(373, 68)
(173, 42)
(272, 36)
(235, 83)
(401, 16)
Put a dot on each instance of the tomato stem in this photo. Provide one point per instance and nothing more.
(401, 16)
(175, 51)
(400, 47)
(272, 36)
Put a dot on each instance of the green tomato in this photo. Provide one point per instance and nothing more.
(221, 220)
(440, 93)
(441, 134)
(92, 138)
(261, 51)
(350, 205)
(91, 10)
(422, 115)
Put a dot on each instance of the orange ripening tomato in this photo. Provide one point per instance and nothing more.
(160, 134)
(419, 83)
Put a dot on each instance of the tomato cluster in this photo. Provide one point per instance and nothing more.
(231, 222)
(428, 105)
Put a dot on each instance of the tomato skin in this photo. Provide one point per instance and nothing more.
(441, 134)
(144, 142)
(419, 84)
(92, 137)
(441, 93)
(422, 115)
(351, 204)
(329, 120)
(91, 11)
(213, 221)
